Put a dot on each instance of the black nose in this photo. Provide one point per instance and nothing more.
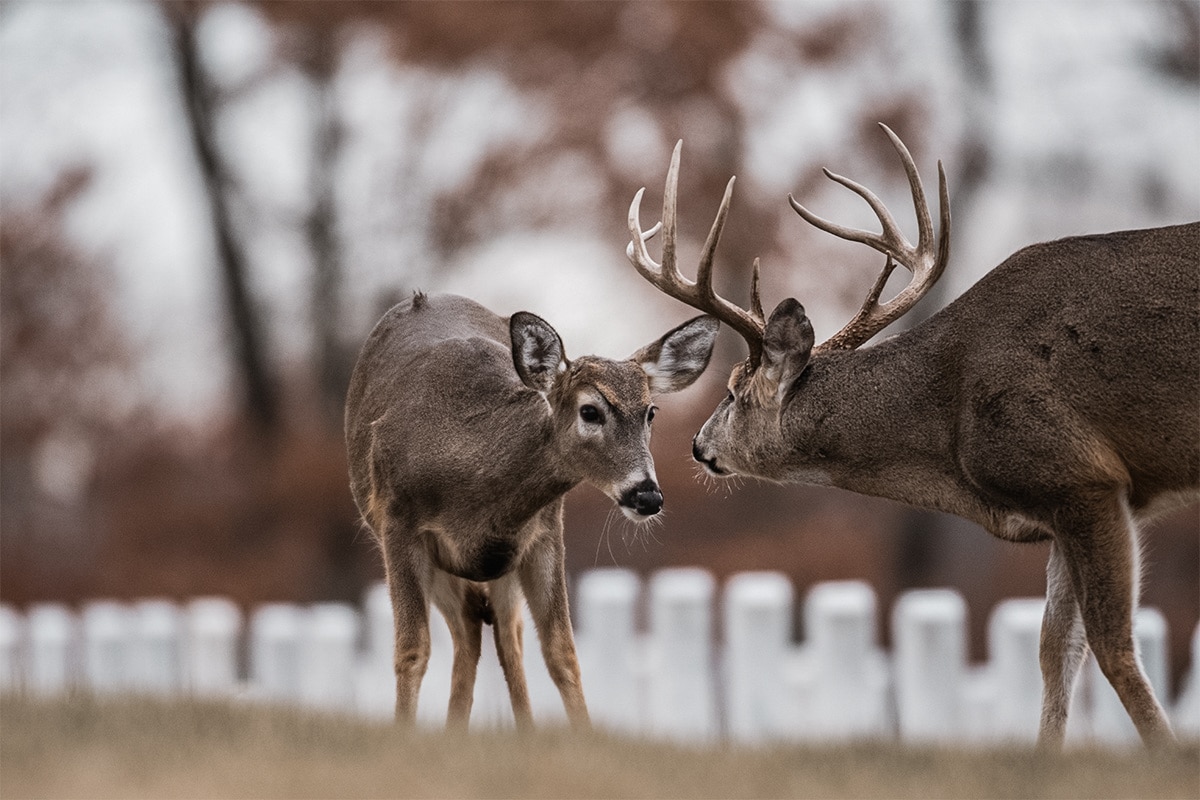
(645, 498)
(696, 454)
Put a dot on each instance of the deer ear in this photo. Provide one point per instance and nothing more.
(676, 360)
(787, 344)
(537, 350)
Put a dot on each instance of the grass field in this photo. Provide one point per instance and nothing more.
(86, 748)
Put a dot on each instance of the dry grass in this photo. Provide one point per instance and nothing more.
(86, 748)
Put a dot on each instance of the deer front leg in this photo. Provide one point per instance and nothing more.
(1063, 648)
(1098, 540)
(509, 632)
(410, 612)
(545, 584)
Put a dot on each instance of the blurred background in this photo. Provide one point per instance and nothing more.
(204, 207)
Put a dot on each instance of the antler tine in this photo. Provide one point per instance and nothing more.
(925, 265)
(756, 309)
(667, 272)
(891, 240)
(670, 281)
(704, 271)
(924, 222)
(636, 250)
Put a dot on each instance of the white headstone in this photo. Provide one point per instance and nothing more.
(1014, 634)
(376, 691)
(758, 633)
(682, 697)
(52, 657)
(606, 639)
(107, 628)
(158, 634)
(213, 626)
(327, 659)
(275, 646)
(930, 655)
(852, 681)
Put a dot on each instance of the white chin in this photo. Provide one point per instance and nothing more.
(633, 516)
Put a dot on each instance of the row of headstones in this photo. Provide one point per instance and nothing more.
(838, 683)
(670, 681)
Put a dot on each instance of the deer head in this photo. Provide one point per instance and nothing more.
(743, 435)
(601, 408)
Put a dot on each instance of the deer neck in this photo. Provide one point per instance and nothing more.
(874, 421)
(543, 475)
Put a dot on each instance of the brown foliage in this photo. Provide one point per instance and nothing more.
(65, 369)
(189, 513)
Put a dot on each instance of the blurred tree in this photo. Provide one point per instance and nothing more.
(200, 98)
(318, 59)
(587, 65)
(66, 371)
(1178, 56)
(312, 39)
(594, 65)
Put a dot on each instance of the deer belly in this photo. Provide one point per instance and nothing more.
(475, 556)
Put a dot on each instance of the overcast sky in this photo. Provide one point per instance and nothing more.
(91, 83)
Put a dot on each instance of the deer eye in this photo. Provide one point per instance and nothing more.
(591, 414)
(650, 414)
(729, 396)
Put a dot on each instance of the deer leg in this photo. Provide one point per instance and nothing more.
(545, 584)
(1062, 650)
(464, 607)
(410, 612)
(508, 629)
(1098, 539)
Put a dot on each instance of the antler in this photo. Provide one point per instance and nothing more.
(667, 278)
(925, 265)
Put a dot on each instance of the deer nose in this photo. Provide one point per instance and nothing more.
(710, 463)
(645, 498)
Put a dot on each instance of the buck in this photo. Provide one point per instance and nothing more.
(1056, 400)
(464, 430)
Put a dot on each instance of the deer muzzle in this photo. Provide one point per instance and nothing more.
(709, 462)
(644, 499)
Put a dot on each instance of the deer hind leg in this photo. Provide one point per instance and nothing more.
(465, 607)
(545, 585)
(1099, 542)
(509, 632)
(1063, 648)
(405, 569)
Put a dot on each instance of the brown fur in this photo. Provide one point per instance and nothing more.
(1056, 399)
(463, 432)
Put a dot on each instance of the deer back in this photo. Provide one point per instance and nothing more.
(436, 411)
(1106, 330)
(1074, 361)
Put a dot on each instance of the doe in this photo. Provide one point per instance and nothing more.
(464, 430)
(1056, 400)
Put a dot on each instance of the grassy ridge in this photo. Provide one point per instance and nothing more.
(86, 748)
